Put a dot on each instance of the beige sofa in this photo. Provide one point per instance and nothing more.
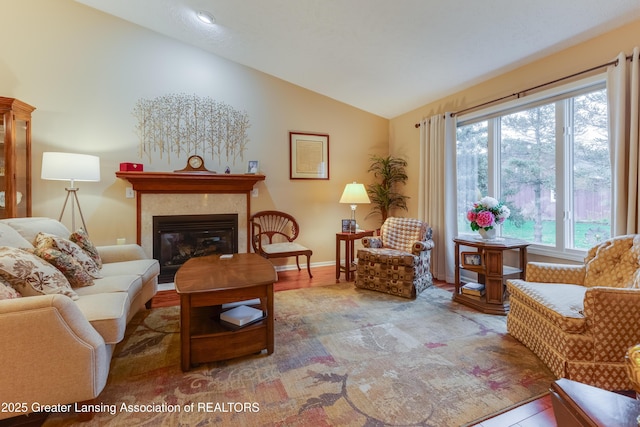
(581, 319)
(56, 350)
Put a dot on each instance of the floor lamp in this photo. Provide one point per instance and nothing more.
(71, 167)
(354, 194)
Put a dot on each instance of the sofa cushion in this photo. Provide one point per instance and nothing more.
(47, 240)
(130, 284)
(107, 313)
(81, 238)
(561, 303)
(29, 227)
(282, 247)
(387, 256)
(6, 291)
(147, 268)
(10, 237)
(69, 266)
(31, 275)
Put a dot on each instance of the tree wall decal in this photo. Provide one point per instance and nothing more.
(174, 125)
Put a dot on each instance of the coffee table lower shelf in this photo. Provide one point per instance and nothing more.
(211, 341)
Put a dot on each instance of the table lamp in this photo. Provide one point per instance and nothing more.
(71, 167)
(354, 194)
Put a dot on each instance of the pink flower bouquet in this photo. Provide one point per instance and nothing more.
(487, 213)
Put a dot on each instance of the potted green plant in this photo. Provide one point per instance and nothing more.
(384, 195)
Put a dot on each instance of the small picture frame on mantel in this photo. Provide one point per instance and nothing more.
(253, 166)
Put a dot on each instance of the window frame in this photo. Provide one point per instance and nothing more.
(561, 95)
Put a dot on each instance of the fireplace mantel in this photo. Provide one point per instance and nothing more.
(190, 182)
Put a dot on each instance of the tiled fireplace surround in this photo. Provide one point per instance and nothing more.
(181, 193)
(191, 204)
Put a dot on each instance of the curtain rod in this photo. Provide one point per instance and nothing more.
(523, 92)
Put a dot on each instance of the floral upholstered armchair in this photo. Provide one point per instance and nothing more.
(582, 319)
(397, 262)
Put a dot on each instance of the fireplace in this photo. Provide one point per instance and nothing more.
(176, 238)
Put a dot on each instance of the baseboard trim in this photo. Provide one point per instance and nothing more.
(288, 267)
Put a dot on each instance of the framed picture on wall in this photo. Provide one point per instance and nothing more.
(308, 155)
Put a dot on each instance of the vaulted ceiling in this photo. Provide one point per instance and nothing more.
(386, 57)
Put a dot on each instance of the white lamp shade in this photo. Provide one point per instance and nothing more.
(70, 167)
(354, 193)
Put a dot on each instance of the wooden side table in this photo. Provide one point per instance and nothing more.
(349, 241)
(491, 272)
(577, 404)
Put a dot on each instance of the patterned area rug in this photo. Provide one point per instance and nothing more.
(343, 356)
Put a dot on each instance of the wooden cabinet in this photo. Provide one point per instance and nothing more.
(15, 158)
(491, 271)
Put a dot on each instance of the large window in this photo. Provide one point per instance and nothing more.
(548, 160)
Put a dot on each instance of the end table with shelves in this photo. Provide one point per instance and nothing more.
(491, 272)
(349, 242)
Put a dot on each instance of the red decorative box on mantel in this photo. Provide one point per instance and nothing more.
(131, 167)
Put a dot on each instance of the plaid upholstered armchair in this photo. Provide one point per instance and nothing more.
(582, 319)
(399, 261)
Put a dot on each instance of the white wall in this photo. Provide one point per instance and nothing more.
(84, 71)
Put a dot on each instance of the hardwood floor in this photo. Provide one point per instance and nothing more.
(537, 413)
(290, 279)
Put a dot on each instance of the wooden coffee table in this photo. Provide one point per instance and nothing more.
(204, 284)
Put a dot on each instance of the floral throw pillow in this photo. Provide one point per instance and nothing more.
(81, 238)
(6, 291)
(45, 240)
(68, 265)
(30, 275)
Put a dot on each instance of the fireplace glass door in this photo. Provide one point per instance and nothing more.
(177, 238)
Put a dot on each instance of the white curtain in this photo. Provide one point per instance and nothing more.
(623, 90)
(437, 191)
